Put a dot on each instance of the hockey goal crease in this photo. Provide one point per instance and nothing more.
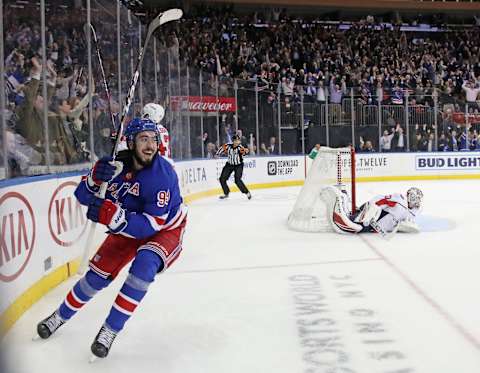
(331, 167)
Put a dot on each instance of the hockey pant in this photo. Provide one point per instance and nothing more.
(152, 255)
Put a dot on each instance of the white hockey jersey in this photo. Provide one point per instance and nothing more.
(164, 146)
(396, 207)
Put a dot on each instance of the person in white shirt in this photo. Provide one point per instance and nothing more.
(471, 93)
(321, 97)
(386, 141)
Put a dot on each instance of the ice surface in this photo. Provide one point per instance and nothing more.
(248, 295)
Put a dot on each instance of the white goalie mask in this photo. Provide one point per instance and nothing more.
(153, 112)
(414, 198)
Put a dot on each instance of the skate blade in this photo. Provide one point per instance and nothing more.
(36, 337)
(93, 358)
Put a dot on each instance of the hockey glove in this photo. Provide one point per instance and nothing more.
(369, 214)
(103, 171)
(106, 212)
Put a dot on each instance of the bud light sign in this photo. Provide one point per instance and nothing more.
(447, 162)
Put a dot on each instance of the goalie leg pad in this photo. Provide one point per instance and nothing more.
(408, 226)
(338, 212)
(341, 222)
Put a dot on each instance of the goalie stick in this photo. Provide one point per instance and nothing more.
(162, 18)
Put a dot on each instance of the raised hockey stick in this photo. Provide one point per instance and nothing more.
(161, 19)
(102, 70)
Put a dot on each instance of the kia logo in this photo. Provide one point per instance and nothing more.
(17, 235)
(66, 216)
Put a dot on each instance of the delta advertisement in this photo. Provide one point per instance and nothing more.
(201, 175)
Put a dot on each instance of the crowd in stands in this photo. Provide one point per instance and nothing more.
(279, 53)
(386, 65)
(67, 95)
(292, 53)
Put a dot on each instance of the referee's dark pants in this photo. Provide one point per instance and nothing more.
(226, 172)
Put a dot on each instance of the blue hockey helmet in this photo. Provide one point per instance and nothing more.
(138, 125)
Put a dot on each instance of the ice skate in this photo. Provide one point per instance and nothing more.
(249, 195)
(49, 325)
(102, 343)
(225, 196)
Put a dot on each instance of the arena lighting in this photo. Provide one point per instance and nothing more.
(389, 26)
(343, 25)
(348, 26)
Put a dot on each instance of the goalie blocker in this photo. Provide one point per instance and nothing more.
(382, 214)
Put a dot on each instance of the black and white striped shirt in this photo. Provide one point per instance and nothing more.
(235, 155)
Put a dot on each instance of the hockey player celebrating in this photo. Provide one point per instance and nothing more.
(382, 214)
(145, 216)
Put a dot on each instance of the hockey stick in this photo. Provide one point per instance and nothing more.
(79, 76)
(102, 70)
(162, 18)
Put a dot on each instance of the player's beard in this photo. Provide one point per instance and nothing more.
(142, 159)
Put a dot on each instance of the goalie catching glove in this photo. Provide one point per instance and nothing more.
(106, 212)
(104, 171)
(369, 214)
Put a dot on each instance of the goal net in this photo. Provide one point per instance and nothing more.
(331, 167)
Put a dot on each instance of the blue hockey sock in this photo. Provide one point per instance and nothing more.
(82, 292)
(141, 274)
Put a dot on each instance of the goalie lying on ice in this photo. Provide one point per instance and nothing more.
(382, 214)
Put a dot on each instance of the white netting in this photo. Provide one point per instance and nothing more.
(330, 167)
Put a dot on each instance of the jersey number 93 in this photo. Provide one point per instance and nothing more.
(163, 198)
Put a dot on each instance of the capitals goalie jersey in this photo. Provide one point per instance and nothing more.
(150, 197)
(394, 211)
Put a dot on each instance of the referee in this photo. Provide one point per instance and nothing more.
(235, 153)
